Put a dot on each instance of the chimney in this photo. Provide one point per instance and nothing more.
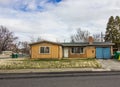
(90, 40)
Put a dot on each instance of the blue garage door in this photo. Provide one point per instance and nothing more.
(106, 53)
(103, 53)
(99, 53)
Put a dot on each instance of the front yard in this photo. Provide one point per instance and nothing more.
(47, 63)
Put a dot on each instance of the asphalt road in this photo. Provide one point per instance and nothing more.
(98, 80)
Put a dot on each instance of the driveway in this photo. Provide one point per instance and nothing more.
(110, 64)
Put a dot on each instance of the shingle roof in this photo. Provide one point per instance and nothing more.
(68, 44)
(87, 44)
(75, 44)
(103, 43)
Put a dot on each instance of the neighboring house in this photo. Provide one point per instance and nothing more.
(7, 53)
(90, 49)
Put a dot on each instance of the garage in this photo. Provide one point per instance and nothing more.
(103, 53)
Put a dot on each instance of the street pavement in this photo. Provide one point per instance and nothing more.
(94, 80)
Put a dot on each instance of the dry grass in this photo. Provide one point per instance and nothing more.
(48, 63)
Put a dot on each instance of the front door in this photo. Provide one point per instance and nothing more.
(66, 52)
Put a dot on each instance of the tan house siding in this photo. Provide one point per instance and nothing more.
(77, 55)
(90, 52)
(111, 50)
(55, 51)
(60, 52)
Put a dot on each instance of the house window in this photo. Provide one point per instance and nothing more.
(44, 50)
(77, 50)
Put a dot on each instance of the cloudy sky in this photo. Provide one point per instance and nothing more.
(56, 19)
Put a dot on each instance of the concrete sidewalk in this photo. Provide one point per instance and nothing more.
(110, 64)
(53, 70)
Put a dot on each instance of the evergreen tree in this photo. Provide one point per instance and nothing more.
(113, 30)
(109, 30)
(117, 30)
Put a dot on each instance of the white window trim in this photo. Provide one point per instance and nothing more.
(44, 53)
(77, 53)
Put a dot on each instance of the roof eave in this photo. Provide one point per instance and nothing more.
(46, 42)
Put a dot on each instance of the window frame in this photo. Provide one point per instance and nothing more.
(44, 48)
(78, 53)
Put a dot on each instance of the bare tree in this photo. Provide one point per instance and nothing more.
(39, 39)
(97, 37)
(7, 39)
(33, 39)
(25, 47)
(17, 46)
(80, 36)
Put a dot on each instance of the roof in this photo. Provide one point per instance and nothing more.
(75, 44)
(103, 43)
(44, 42)
(87, 44)
(68, 44)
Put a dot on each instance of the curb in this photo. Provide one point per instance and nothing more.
(57, 74)
(50, 73)
(52, 70)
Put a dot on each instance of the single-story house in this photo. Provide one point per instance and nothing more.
(90, 49)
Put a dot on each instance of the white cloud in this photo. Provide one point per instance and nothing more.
(57, 21)
(32, 5)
